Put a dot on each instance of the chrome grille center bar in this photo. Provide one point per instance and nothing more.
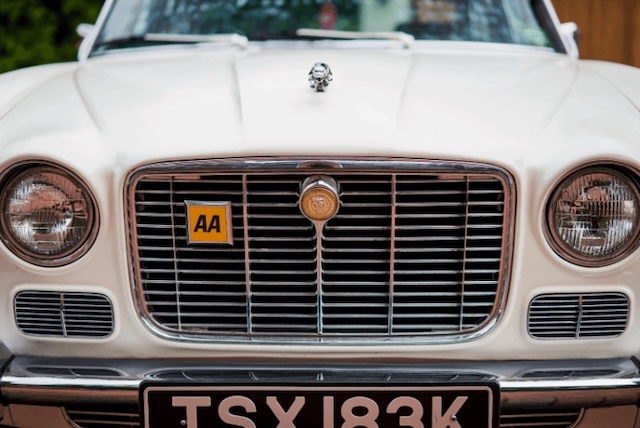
(418, 250)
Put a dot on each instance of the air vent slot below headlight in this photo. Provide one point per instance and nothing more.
(64, 314)
(578, 316)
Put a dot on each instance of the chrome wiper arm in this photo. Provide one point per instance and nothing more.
(406, 39)
(137, 40)
(234, 39)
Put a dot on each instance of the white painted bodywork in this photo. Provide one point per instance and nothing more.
(536, 113)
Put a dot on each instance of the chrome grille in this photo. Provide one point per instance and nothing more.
(64, 314)
(541, 418)
(128, 417)
(418, 249)
(578, 316)
(114, 416)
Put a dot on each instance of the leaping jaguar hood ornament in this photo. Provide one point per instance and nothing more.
(319, 76)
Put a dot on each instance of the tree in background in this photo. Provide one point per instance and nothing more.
(41, 31)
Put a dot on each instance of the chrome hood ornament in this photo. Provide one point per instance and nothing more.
(320, 76)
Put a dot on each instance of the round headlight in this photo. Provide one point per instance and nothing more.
(48, 215)
(594, 216)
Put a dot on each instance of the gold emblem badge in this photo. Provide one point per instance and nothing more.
(319, 199)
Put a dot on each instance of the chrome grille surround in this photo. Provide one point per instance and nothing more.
(361, 279)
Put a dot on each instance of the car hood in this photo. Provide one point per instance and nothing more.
(445, 103)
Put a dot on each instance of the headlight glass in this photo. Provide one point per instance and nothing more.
(594, 216)
(48, 215)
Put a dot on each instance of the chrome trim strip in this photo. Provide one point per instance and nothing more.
(176, 277)
(87, 44)
(553, 24)
(319, 276)
(392, 252)
(247, 251)
(18, 385)
(465, 252)
(315, 166)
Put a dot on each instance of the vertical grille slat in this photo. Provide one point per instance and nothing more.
(407, 254)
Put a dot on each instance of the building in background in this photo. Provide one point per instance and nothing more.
(610, 29)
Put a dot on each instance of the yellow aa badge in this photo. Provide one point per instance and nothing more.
(209, 223)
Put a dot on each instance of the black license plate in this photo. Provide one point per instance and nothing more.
(198, 406)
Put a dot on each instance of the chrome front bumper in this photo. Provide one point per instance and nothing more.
(544, 384)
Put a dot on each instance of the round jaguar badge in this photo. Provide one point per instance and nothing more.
(319, 200)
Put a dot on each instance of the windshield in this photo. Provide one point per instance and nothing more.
(496, 21)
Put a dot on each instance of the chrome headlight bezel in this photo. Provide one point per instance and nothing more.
(68, 252)
(573, 255)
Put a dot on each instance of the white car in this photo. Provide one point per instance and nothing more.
(316, 214)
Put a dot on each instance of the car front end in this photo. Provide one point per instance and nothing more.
(324, 229)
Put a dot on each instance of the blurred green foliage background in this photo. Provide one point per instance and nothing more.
(41, 31)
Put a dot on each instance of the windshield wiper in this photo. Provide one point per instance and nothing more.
(122, 42)
(233, 39)
(406, 39)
